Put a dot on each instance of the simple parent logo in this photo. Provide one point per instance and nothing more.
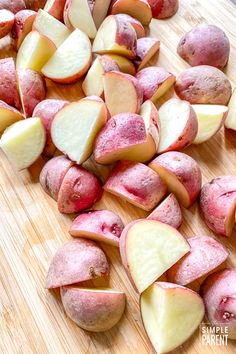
(215, 336)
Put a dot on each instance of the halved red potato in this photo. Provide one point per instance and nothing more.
(147, 47)
(98, 225)
(22, 26)
(136, 183)
(182, 175)
(76, 261)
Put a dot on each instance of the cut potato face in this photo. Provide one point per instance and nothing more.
(210, 120)
(93, 83)
(80, 17)
(230, 122)
(139, 9)
(8, 116)
(178, 125)
(75, 127)
(50, 27)
(117, 37)
(148, 249)
(71, 60)
(34, 52)
(23, 142)
(117, 88)
(99, 11)
(170, 314)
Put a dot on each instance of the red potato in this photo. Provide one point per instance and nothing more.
(168, 212)
(99, 9)
(80, 189)
(150, 115)
(46, 111)
(78, 13)
(23, 142)
(76, 261)
(125, 65)
(146, 249)
(55, 8)
(6, 22)
(147, 47)
(137, 25)
(13, 6)
(8, 86)
(171, 314)
(8, 116)
(205, 255)
(162, 9)
(22, 26)
(115, 36)
(53, 174)
(124, 136)
(71, 60)
(117, 87)
(95, 310)
(136, 183)
(155, 82)
(219, 295)
(32, 89)
(75, 127)
(182, 175)
(98, 225)
(51, 28)
(34, 52)
(66, 19)
(139, 9)
(93, 82)
(230, 121)
(35, 5)
(205, 45)
(203, 84)
(179, 115)
(218, 204)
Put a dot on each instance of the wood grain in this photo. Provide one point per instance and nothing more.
(31, 229)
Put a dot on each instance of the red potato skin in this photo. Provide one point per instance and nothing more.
(13, 6)
(168, 212)
(205, 45)
(80, 189)
(203, 84)
(53, 173)
(22, 26)
(94, 311)
(206, 254)
(137, 182)
(121, 131)
(104, 223)
(108, 63)
(219, 295)
(57, 9)
(126, 35)
(46, 111)
(66, 15)
(6, 22)
(185, 168)
(162, 9)
(144, 45)
(33, 89)
(150, 79)
(76, 261)
(137, 25)
(8, 85)
(217, 200)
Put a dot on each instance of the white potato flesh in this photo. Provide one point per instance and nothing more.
(80, 17)
(75, 127)
(230, 122)
(23, 142)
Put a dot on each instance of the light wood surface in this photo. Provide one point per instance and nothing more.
(31, 229)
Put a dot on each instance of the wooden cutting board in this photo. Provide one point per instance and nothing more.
(31, 229)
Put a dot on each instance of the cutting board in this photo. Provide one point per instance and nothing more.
(31, 229)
